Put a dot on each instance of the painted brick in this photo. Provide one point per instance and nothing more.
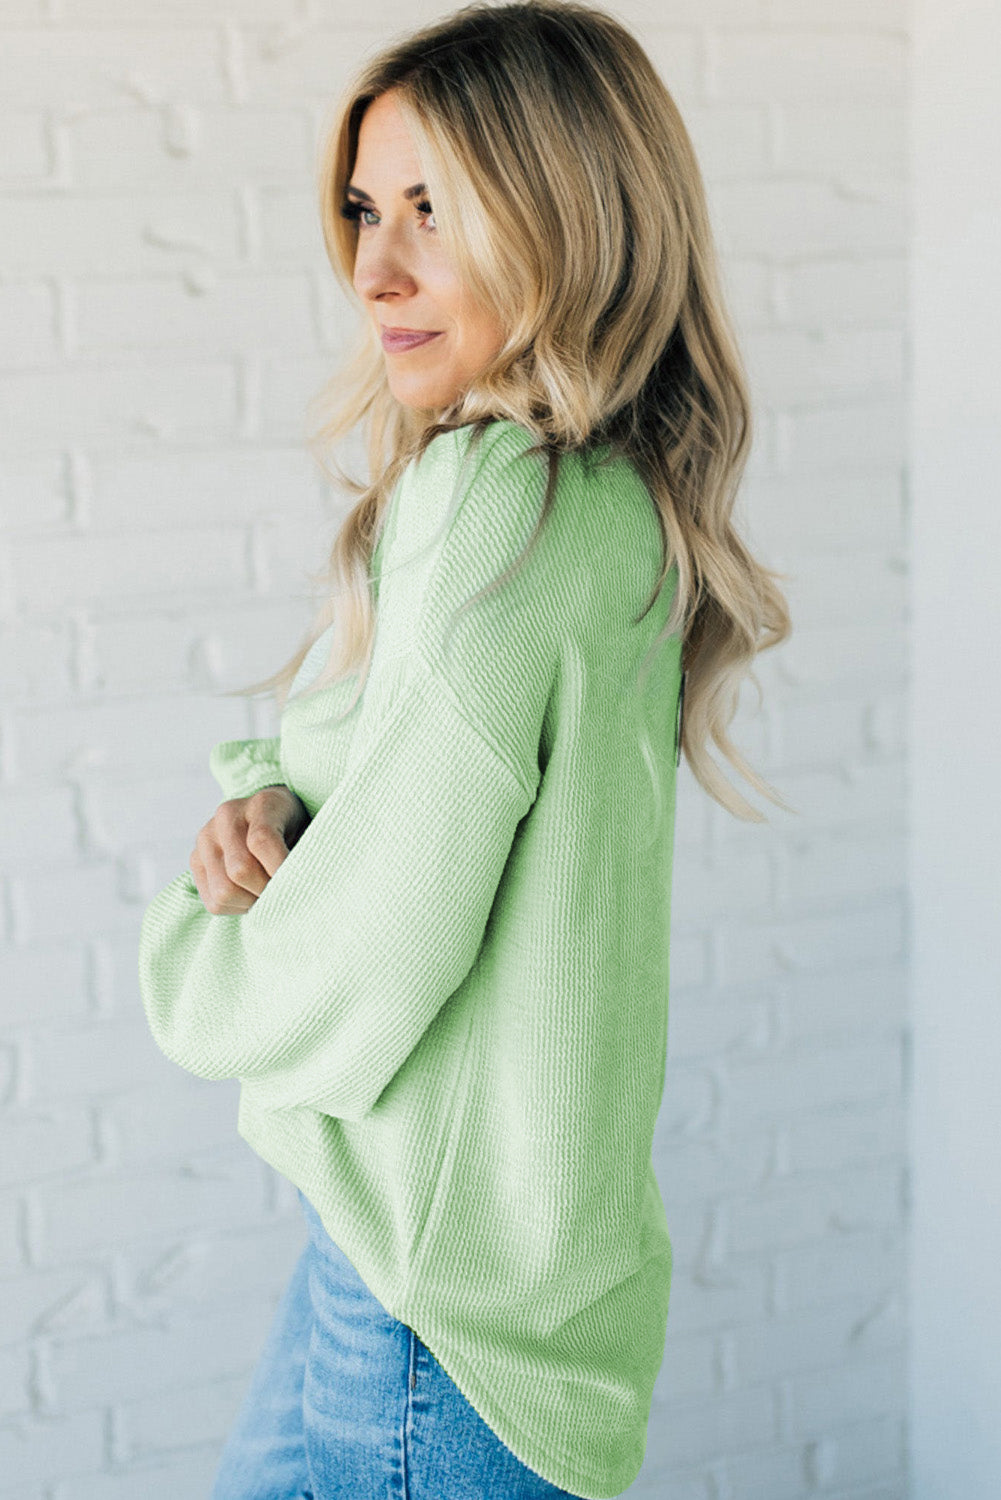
(164, 1479)
(249, 312)
(843, 1137)
(853, 1392)
(36, 660)
(34, 491)
(166, 313)
(105, 1056)
(15, 1378)
(233, 485)
(814, 1338)
(36, 1448)
(809, 1208)
(27, 325)
(163, 1357)
(866, 1262)
(98, 65)
(765, 1474)
(690, 1369)
(35, 1303)
(180, 401)
(83, 1215)
(798, 1083)
(247, 1263)
(83, 569)
(42, 983)
(188, 1112)
(716, 1297)
(188, 144)
(696, 1431)
(11, 1231)
(787, 65)
(39, 832)
(203, 1412)
(40, 1143)
(24, 149)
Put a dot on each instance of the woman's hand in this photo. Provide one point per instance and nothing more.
(241, 846)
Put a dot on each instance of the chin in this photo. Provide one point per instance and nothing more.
(418, 396)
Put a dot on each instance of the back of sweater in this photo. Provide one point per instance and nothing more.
(448, 1008)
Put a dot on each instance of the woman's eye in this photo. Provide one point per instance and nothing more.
(357, 211)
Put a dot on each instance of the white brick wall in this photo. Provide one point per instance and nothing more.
(165, 312)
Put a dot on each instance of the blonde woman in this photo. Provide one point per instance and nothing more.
(428, 927)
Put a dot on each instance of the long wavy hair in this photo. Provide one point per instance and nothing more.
(568, 197)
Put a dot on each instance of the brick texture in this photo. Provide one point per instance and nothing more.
(165, 312)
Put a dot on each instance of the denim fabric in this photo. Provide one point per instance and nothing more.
(347, 1403)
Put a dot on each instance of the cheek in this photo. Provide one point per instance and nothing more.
(487, 336)
(475, 333)
(446, 295)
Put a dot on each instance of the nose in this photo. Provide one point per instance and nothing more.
(382, 269)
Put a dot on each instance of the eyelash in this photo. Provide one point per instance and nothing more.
(354, 210)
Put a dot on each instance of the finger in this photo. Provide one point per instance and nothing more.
(203, 884)
(240, 866)
(197, 869)
(266, 843)
(220, 894)
(226, 900)
(225, 835)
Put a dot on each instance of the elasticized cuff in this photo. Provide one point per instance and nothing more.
(243, 767)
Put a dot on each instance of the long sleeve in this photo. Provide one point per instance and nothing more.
(243, 767)
(319, 993)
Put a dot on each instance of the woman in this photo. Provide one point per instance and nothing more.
(428, 926)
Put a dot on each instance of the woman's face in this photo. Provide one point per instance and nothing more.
(401, 273)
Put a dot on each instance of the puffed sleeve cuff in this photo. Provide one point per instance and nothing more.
(243, 767)
(318, 994)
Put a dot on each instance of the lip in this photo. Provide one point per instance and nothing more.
(406, 338)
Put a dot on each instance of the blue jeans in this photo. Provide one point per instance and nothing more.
(347, 1403)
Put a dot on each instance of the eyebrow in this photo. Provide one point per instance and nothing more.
(410, 192)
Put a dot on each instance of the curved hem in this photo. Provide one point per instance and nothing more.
(499, 1429)
(458, 1372)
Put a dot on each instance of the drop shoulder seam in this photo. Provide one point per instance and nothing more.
(442, 682)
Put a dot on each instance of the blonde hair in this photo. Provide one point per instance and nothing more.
(568, 198)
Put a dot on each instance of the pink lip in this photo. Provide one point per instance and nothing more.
(399, 339)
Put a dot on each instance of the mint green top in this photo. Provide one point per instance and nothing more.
(448, 1008)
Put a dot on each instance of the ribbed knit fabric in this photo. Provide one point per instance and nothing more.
(448, 1007)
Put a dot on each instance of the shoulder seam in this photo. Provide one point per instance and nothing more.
(443, 682)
